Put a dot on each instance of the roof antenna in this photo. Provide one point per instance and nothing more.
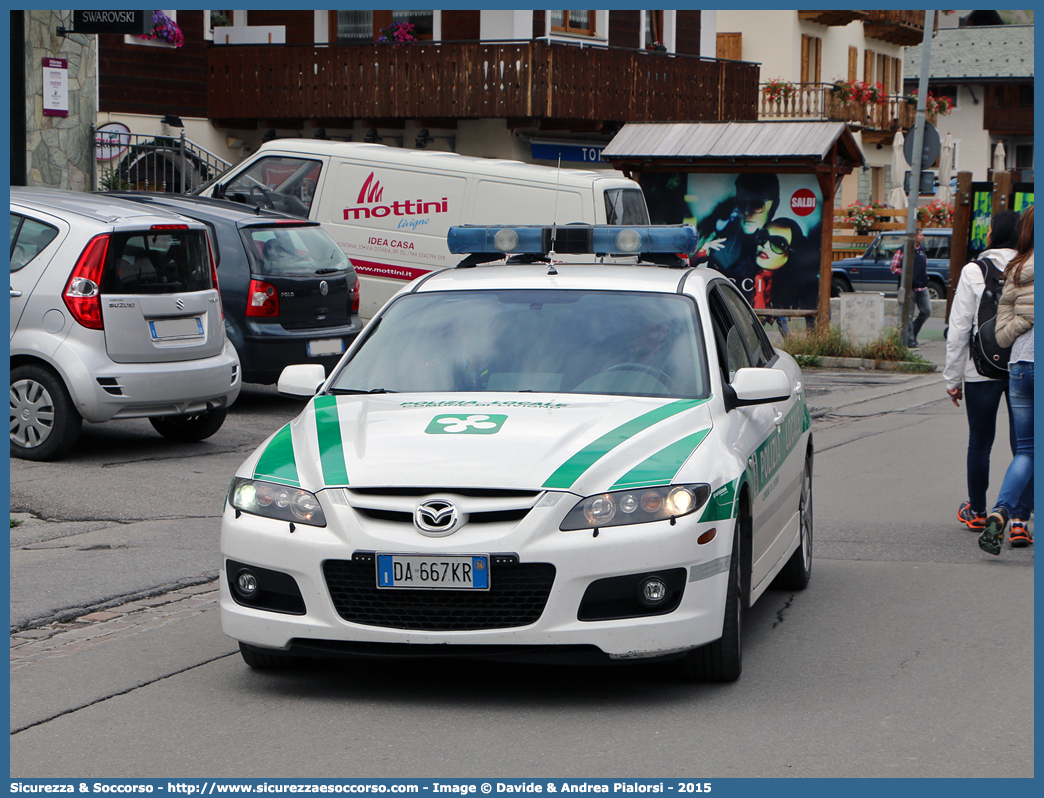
(554, 221)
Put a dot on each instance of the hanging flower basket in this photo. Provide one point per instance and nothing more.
(864, 217)
(164, 29)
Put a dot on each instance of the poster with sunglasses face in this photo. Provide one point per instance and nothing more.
(761, 230)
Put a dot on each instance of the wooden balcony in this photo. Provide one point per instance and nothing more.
(531, 80)
(824, 17)
(812, 101)
(897, 27)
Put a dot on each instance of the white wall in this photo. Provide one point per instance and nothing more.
(505, 24)
(964, 122)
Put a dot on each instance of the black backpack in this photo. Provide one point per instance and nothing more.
(989, 357)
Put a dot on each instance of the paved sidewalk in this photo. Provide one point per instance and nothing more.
(62, 639)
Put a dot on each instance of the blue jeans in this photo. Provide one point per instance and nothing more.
(981, 401)
(1020, 472)
(923, 302)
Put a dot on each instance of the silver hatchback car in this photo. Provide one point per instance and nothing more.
(115, 313)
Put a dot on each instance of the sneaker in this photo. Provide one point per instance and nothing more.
(992, 536)
(1019, 536)
(973, 520)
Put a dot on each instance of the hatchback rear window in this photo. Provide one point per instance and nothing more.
(304, 250)
(167, 262)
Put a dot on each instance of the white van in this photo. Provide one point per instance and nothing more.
(389, 209)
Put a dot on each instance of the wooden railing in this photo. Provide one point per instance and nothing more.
(818, 101)
(475, 80)
(848, 243)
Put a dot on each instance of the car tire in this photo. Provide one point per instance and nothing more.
(264, 660)
(191, 427)
(839, 286)
(798, 570)
(936, 290)
(722, 659)
(44, 422)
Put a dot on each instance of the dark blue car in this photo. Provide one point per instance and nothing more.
(872, 270)
(288, 293)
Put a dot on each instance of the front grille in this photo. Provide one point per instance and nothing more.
(517, 595)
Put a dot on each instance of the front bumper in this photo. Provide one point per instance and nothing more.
(579, 558)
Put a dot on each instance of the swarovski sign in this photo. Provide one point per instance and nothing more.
(114, 21)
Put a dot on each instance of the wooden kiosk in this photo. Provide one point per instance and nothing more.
(826, 150)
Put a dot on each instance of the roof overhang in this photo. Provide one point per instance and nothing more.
(736, 146)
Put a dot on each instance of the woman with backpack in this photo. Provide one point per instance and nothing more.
(1015, 329)
(982, 394)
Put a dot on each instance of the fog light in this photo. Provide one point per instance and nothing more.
(246, 584)
(652, 591)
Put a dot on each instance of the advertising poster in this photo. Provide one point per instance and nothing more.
(982, 212)
(761, 230)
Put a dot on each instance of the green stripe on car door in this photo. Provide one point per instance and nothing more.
(331, 447)
(277, 463)
(569, 472)
(661, 468)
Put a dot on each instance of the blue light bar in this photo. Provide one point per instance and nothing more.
(573, 239)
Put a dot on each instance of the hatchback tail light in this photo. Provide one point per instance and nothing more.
(82, 293)
(262, 299)
(355, 296)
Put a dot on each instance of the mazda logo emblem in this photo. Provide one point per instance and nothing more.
(324, 289)
(436, 517)
(180, 304)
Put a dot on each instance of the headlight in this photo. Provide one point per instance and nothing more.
(636, 506)
(270, 500)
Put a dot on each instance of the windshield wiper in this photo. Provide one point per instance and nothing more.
(328, 271)
(342, 391)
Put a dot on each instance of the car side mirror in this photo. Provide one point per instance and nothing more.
(757, 386)
(301, 381)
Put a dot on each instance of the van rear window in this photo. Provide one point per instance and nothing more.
(171, 262)
(625, 206)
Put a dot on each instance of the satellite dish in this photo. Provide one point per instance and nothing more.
(930, 149)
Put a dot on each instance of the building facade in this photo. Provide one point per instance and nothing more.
(815, 56)
(59, 75)
(520, 84)
(987, 74)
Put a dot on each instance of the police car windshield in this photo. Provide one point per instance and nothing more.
(579, 342)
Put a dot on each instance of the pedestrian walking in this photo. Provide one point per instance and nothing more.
(981, 395)
(1015, 329)
(919, 284)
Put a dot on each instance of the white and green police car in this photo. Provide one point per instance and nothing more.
(530, 461)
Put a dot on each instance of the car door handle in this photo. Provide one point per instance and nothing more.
(15, 293)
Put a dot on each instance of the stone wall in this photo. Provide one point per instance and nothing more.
(59, 150)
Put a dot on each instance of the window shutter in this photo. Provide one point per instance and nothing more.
(853, 63)
(730, 46)
(804, 57)
(868, 66)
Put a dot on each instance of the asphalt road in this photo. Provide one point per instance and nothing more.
(909, 655)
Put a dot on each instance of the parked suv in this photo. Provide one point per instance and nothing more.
(290, 295)
(115, 313)
(872, 270)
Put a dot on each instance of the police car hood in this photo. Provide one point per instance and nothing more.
(578, 443)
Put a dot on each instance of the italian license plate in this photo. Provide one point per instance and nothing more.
(327, 346)
(439, 572)
(167, 329)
